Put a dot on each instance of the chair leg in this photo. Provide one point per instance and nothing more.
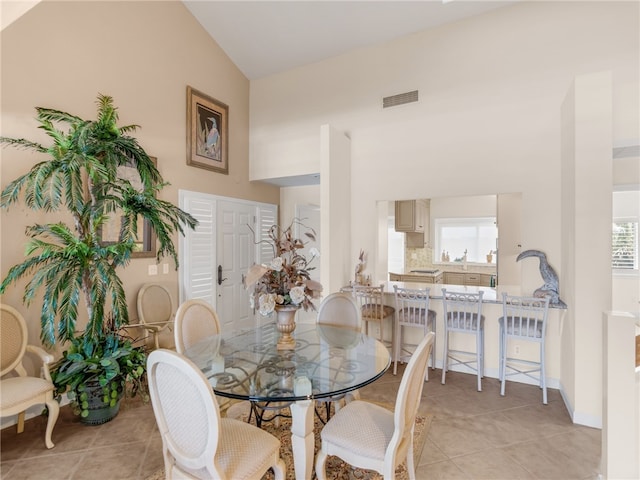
(479, 359)
(445, 355)
(543, 373)
(21, 422)
(396, 347)
(503, 360)
(411, 468)
(54, 409)
(320, 461)
(433, 348)
(279, 468)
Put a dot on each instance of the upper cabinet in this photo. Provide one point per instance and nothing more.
(412, 216)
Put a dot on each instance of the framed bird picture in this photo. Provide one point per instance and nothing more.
(207, 132)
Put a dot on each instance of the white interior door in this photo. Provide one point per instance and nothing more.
(235, 254)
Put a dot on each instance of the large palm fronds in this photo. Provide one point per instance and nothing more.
(81, 175)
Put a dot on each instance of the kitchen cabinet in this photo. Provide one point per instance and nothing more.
(411, 216)
(416, 277)
(454, 278)
(472, 279)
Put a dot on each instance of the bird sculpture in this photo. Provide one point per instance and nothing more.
(549, 275)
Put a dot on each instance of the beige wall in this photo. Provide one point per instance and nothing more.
(144, 54)
(488, 121)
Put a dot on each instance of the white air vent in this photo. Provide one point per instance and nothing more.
(400, 99)
(625, 152)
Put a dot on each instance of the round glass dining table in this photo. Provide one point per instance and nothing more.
(327, 361)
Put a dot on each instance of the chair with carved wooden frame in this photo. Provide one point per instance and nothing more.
(17, 393)
(155, 310)
(196, 441)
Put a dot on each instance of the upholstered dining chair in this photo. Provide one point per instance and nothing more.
(339, 310)
(463, 314)
(366, 435)
(412, 310)
(155, 310)
(523, 318)
(373, 308)
(196, 441)
(17, 393)
(195, 320)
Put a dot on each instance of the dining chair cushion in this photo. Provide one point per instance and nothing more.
(18, 389)
(371, 424)
(239, 438)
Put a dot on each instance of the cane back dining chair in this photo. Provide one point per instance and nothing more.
(372, 306)
(17, 393)
(523, 318)
(412, 310)
(366, 435)
(339, 309)
(196, 441)
(195, 320)
(155, 310)
(463, 314)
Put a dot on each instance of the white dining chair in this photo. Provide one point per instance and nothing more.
(21, 391)
(524, 319)
(195, 320)
(366, 435)
(412, 311)
(463, 315)
(196, 441)
(339, 310)
(154, 305)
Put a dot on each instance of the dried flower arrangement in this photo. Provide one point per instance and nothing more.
(286, 280)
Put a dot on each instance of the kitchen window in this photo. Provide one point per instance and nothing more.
(624, 243)
(477, 236)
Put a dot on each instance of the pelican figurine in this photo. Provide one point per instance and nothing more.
(549, 275)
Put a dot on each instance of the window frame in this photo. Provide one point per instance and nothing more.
(636, 260)
(475, 222)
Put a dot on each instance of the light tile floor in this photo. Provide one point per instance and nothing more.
(474, 435)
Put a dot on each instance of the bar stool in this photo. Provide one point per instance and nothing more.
(371, 302)
(463, 314)
(524, 318)
(412, 310)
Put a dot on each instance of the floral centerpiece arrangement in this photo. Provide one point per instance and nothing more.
(286, 280)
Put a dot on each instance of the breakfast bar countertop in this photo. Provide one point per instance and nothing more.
(491, 294)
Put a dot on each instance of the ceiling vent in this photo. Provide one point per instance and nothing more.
(400, 99)
(625, 152)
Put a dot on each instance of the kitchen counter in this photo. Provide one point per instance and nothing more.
(472, 276)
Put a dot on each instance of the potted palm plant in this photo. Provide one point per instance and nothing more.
(70, 265)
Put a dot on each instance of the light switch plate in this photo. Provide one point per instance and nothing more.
(153, 269)
(165, 268)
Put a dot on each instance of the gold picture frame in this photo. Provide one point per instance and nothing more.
(207, 132)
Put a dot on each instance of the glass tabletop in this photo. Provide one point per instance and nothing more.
(327, 361)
